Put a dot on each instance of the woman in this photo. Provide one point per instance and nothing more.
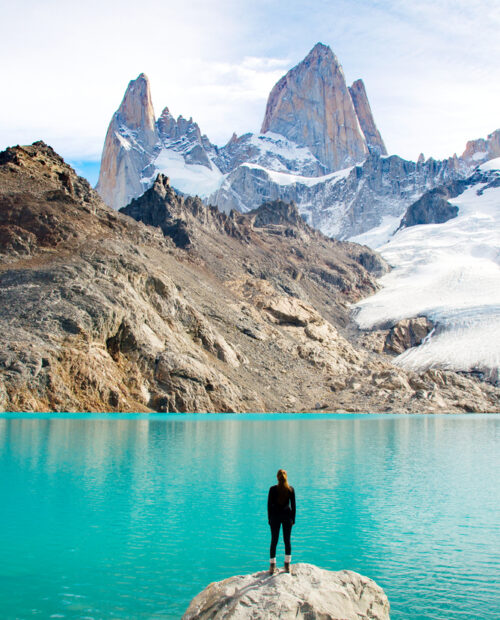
(281, 512)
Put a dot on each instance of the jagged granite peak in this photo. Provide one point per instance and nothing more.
(365, 117)
(311, 106)
(184, 136)
(129, 145)
(481, 150)
(136, 109)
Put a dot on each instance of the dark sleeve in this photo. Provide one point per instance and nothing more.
(269, 505)
(292, 502)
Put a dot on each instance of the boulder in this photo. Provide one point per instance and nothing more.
(308, 593)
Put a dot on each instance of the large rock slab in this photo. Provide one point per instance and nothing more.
(308, 592)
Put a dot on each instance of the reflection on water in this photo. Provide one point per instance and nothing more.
(132, 517)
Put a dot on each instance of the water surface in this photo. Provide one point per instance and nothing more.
(131, 517)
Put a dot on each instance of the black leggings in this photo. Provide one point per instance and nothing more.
(275, 534)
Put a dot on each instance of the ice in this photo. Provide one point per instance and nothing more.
(193, 179)
(284, 178)
(381, 234)
(493, 164)
(450, 273)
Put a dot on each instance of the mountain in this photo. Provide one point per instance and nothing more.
(319, 147)
(342, 204)
(481, 150)
(196, 310)
(130, 145)
(312, 107)
(314, 124)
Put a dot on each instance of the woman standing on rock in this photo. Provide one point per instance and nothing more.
(281, 512)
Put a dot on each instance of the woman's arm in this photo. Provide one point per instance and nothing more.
(292, 501)
(269, 506)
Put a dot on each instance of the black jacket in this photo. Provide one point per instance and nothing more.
(277, 511)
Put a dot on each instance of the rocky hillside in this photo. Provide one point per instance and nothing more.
(199, 311)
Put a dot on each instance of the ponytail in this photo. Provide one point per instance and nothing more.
(283, 486)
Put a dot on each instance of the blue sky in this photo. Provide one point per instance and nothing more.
(430, 67)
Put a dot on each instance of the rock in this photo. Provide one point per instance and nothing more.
(481, 150)
(433, 207)
(363, 111)
(407, 333)
(342, 206)
(308, 592)
(129, 147)
(312, 107)
(184, 137)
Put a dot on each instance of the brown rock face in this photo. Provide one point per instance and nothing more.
(365, 117)
(407, 333)
(122, 164)
(311, 106)
(481, 150)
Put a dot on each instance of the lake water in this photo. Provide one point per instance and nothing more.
(131, 517)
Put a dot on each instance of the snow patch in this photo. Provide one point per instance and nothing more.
(193, 179)
(380, 235)
(493, 164)
(284, 178)
(479, 155)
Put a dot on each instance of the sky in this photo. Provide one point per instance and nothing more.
(430, 67)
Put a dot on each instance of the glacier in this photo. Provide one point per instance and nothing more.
(449, 273)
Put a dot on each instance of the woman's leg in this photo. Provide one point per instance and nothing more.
(275, 534)
(287, 531)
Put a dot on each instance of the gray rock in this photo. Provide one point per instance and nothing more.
(344, 205)
(308, 593)
(364, 113)
(312, 107)
(130, 145)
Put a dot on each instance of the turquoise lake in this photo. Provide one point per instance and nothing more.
(130, 517)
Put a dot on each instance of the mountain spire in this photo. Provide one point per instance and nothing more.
(122, 164)
(311, 106)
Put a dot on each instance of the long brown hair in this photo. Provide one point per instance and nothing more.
(283, 486)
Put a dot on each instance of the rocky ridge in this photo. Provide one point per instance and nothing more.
(309, 592)
(103, 313)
